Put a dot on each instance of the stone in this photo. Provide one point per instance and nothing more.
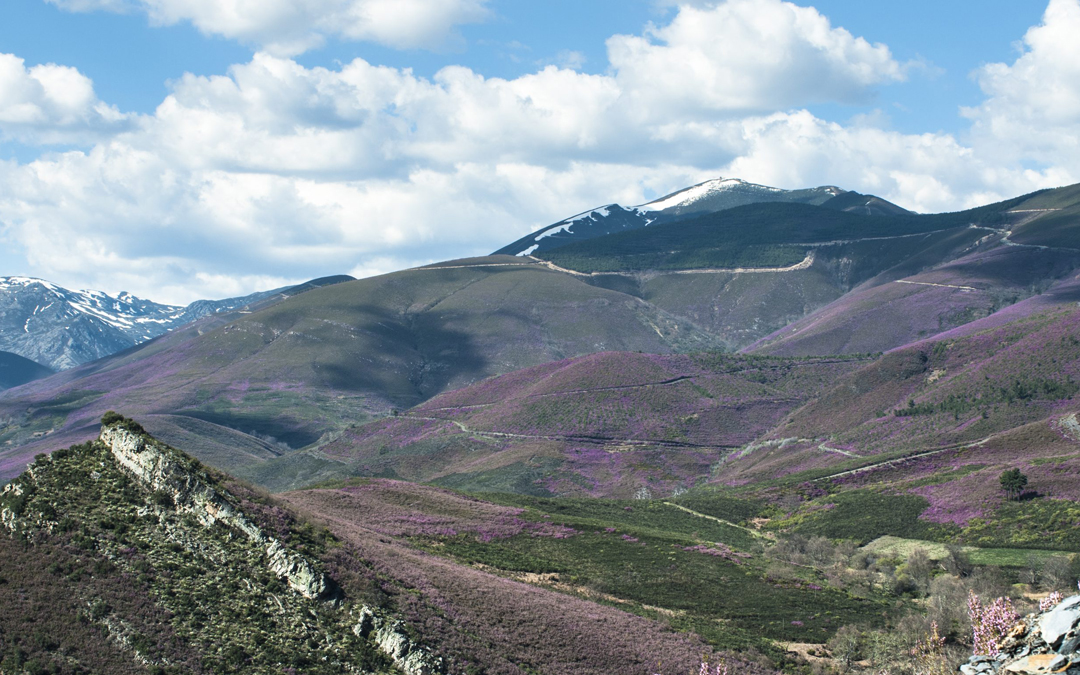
(1057, 622)
(1039, 664)
(154, 466)
(1069, 645)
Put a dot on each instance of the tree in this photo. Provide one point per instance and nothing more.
(1013, 483)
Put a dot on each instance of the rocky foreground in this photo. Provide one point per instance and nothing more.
(1045, 642)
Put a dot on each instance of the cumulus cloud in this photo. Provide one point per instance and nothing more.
(290, 27)
(276, 172)
(1032, 110)
(749, 56)
(50, 104)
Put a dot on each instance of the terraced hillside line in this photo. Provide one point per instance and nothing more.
(752, 532)
(803, 265)
(927, 283)
(664, 383)
(897, 460)
(599, 440)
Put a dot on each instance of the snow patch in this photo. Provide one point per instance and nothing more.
(564, 226)
(529, 251)
(701, 191)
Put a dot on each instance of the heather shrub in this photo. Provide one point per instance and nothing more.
(990, 622)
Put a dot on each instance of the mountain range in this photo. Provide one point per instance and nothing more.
(60, 328)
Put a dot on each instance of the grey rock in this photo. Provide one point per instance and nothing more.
(1060, 620)
(392, 640)
(61, 328)
(1069, 645)
(155, 466)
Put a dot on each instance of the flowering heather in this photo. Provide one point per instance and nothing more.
(472, 616)
(402, 509)
(990, 623)
(1050, 601)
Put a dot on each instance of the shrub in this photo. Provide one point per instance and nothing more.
(113, 418)
(990, 623)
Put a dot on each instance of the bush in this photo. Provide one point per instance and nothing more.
(113, 419)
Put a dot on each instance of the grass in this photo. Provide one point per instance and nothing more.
(900, 548)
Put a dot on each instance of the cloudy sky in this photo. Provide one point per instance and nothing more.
(184, 149)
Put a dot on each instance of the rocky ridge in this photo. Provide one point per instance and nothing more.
(170, 521)
(152, 463)
(1040, 643)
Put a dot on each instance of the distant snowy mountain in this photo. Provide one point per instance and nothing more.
(708, 197)
(60, 328)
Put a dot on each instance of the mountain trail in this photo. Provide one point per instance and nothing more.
(599, 440)
(898, 460)
(749, 530)
(927, 283)
(846, 453)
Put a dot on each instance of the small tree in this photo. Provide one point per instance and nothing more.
(1013, 483)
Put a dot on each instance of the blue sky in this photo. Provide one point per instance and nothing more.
(181, 149)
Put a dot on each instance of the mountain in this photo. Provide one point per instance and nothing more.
(310, 365)
(708, 197)
(245, 391)
(62, 328)
(15, 370)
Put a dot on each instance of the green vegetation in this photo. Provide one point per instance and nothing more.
(1013, 483)
(862, 516)
(216, 599)
(662, 562)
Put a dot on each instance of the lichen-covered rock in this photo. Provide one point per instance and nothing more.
(155, 466)
(394, 641)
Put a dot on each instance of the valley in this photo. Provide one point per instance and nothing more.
(739, 431)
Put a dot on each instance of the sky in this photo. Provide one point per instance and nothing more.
(186, 149)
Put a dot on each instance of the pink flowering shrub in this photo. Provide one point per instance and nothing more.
(1050, 601)
(990, 623)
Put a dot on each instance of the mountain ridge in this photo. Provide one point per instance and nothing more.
(710, 196)
(61, 328)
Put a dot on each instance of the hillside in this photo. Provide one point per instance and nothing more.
(16, 370)
(317, 362)
(246, 390)
(61, 328)
(606, 425)
(124, 555)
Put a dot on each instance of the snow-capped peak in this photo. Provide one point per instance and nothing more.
(700, 191)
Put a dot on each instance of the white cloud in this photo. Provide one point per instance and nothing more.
(1033, 107)
(290, 27)
(50, 103)
(748, 56)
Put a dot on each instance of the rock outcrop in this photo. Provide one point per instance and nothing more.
(391, 637)
(1046, 642)
(162, 471)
